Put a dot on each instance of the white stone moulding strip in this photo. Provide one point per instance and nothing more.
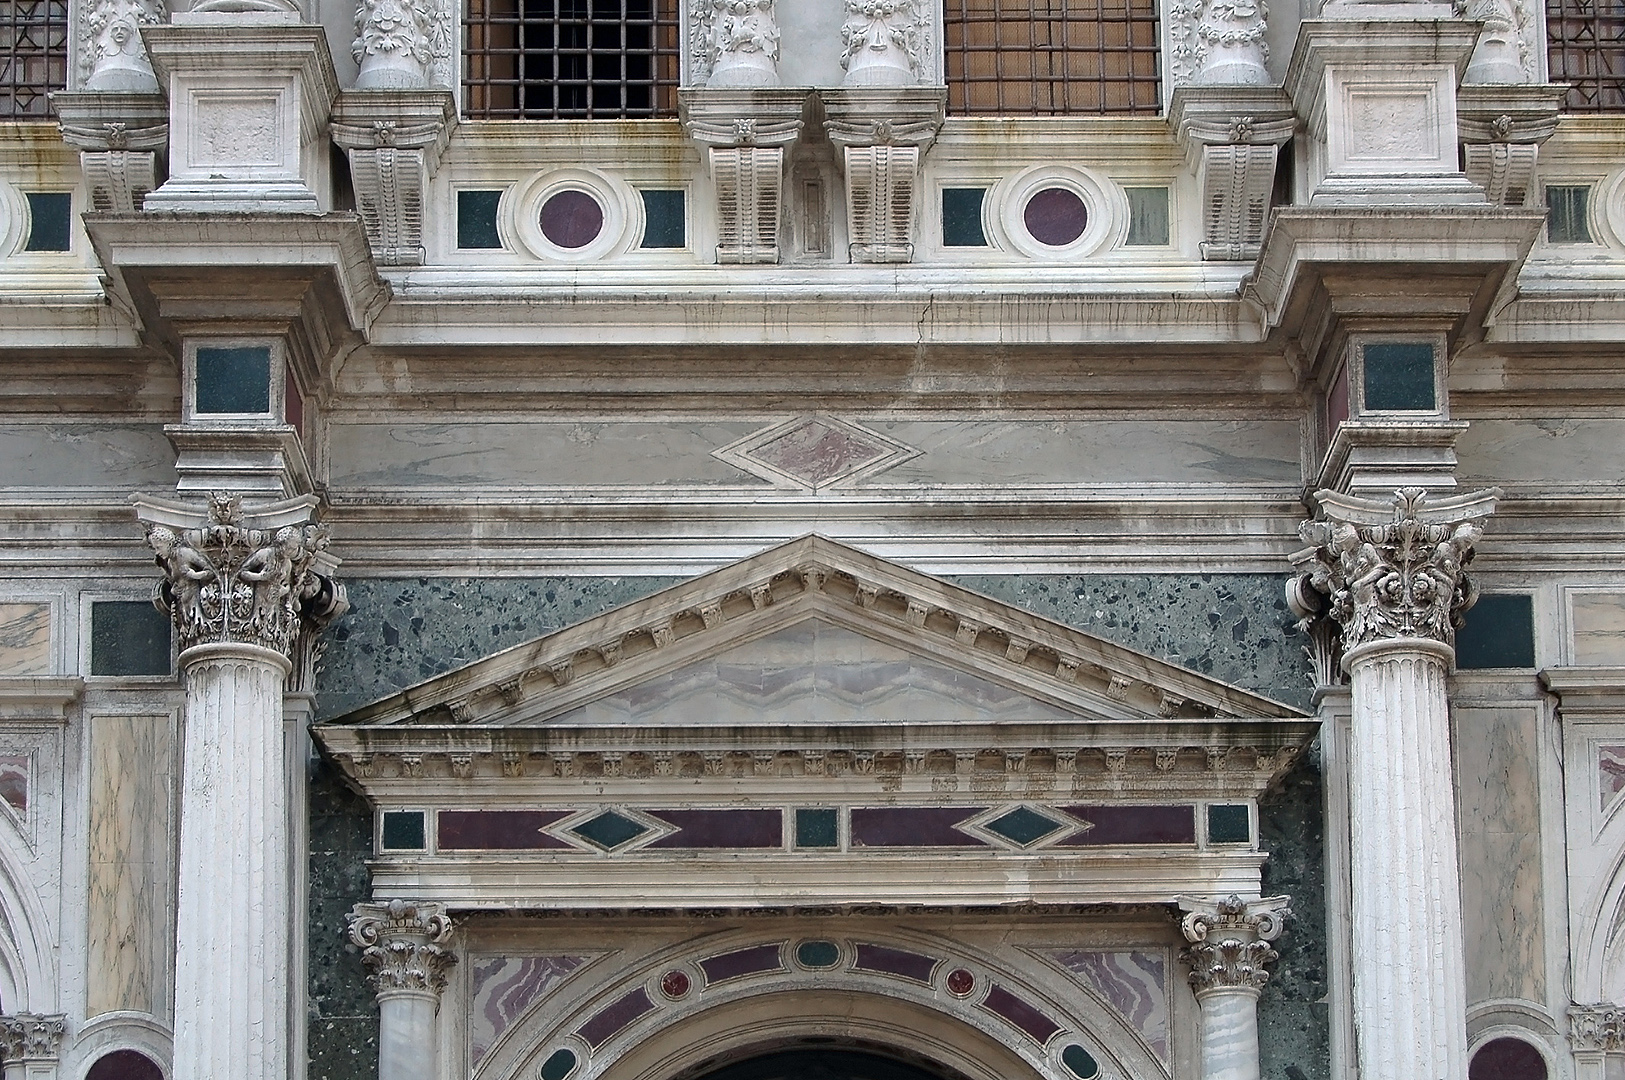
(487, 883)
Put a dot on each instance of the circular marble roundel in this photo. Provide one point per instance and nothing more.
(1055, 216)
(960, 982)
(1507, 1059)
(572, 219)
(675, 983)
(125, 1065)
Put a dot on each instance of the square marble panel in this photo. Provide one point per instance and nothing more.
(25, 639)
(1599, 628)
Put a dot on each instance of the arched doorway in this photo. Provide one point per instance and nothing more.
(825, 1062)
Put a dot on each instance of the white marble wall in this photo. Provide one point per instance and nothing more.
(1599, 627)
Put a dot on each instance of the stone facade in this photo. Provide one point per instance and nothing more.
(808, 563)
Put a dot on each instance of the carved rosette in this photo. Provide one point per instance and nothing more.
(31, 1037)
(402, 44)
(1386, 570)
(111, 53)
(228, 582)
(734, 42)
(1229, 941)
(1597, 1027)
(882, 42)
(402, 945)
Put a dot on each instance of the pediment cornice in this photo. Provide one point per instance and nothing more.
(814, 577)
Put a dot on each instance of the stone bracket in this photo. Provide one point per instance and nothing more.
(1233, 138)
(120, 137)
(747, 133)
(883, 134)
(395, 141)
(1501, 130)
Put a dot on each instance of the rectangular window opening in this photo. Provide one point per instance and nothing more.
(1005, 58)
(33, 58)
(1568, 206)
(570, 59)
(962, 217)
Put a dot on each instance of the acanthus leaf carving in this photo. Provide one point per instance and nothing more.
(228, 582)
(1389, 569)
(1229, 940)
(31, 1037)
(883, 42)
(402, 945)
(1597, 1027)
(734, 42)
(403, 44)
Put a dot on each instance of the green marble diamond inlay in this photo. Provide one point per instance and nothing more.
(1022, 826)
(609, 830)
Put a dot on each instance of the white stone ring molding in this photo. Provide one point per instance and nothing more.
(1105, 206)
(622, 208)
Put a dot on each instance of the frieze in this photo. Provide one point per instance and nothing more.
(1597, 1027)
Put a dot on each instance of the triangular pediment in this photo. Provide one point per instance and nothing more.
(810, 633)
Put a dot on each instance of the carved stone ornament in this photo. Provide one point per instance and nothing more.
(883, 42)
(1504, 54)
(111, 53)
(401, 945)
(734, 42)
(1389, 569)
(1218, 42)
(1597, 1027)
(403, 44)
(1229, 941)
(31, 1037)
(227, 582)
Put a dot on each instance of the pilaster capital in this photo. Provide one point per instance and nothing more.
(1597, 1027)
(402, 945)
(31, 1037)
(1389, 569)
(235, 575)
(1229, 940)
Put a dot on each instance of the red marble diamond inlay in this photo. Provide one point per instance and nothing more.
(816, 452)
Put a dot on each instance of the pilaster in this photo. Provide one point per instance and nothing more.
(1229, 946)
(403, 947)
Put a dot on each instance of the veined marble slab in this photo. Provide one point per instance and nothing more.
(534, 454)
(1093, 452)
(133, 456)
(1561, 451)
(1499, 813)
(132, 760)
(1599, 628)
(1134, 982)
(25, 639)
(812, 673)
(504, 987)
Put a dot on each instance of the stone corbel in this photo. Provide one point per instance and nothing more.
(119, 137)
(1233, 154)
(882, 135)
(395, 140)
(747, 135)
(30, 1045)
(1501, 130)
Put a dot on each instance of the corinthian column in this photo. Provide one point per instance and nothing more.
(1390, 573)
(30, 1045)
(401, 945)
(244, 587)
(1229, 946)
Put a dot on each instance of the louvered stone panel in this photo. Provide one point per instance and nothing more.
(749, 182)
(880, 183)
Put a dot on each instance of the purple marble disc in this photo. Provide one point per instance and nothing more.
(1055, 216)
(572, 219)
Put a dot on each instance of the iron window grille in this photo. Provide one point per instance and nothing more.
(35, 53)
(1051, 57)
(570, 59)
(1585, 41)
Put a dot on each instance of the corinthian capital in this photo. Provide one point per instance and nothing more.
(30, 1037)
(247, 576)
(401, 945)
(1385, 569)
(1597, 1027)
(1229, 940)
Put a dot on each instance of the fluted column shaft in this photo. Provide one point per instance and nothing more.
(232, 922)
(1410, 982)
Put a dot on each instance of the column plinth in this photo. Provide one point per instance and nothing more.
(243, 588)
(1390, 573)
(1229, 946)
(403, 947)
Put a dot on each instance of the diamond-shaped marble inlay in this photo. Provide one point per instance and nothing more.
(1023, 826)
(815, 451)
(609, 830)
